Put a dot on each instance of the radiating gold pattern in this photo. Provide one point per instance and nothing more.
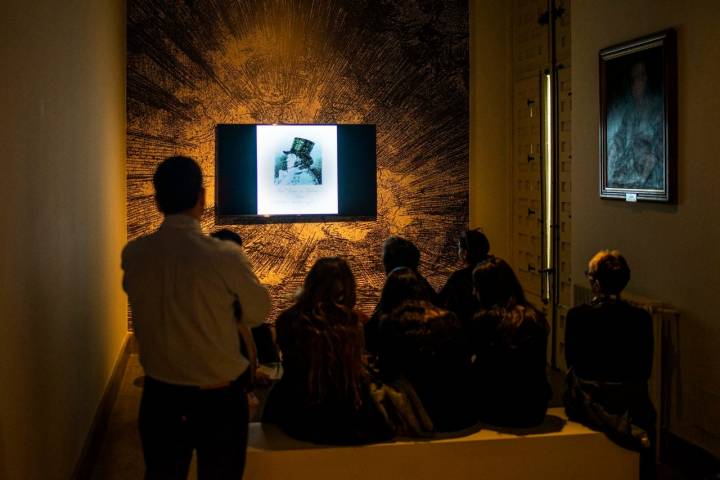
(401, 65)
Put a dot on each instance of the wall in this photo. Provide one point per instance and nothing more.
(673, 250)
(490, 121)
(62, 226)
(400, 65)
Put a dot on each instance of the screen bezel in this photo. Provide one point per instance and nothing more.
(250, 219)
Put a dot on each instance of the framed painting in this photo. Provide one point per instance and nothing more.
(638, 119)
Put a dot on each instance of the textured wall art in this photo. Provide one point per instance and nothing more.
(402, 65)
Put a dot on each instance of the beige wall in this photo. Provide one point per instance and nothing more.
(490, 121)
(62, 224)
(673, 250)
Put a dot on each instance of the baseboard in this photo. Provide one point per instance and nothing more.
(94, 439)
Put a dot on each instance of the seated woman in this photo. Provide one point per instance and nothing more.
(424, 345)
(324, 393)
(609, 351)
(457, 294)
(397, 252)
(508, 338)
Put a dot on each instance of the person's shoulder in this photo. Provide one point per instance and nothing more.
(288, 316)
(459, 275)
(637, 312)
(136, 246)
(488, 317)
(224, 250)
(579, 311)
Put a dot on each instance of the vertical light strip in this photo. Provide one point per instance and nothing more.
(548, 217)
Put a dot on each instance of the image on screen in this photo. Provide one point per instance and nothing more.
(295, 173)
(297, 169)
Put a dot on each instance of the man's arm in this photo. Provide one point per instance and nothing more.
(253, 297)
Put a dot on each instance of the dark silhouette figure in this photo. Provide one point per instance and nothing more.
(324, 394)
(229, 235)
(258, 344)
(424, 344)
(397, 252)
(508, 337)
(457, 294)
(609, 351)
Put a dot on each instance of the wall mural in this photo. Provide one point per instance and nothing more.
(402, 65)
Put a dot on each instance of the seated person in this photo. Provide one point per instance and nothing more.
(324, 394)
(258, 343)
(610, 343)
(508, 337)
(397, 252)
(424, 345)
(457, 294)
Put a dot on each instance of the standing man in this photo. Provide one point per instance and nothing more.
(182, 286)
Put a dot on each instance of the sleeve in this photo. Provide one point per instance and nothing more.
(125, 259)
(123, 266)
(253, 297)
(571, 337)
(450, 297)
(647, 344)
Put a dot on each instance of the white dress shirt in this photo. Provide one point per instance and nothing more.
(182, 285)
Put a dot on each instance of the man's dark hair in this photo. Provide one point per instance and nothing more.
(177, 182)
(475, 244)
(227, 234)
(612, 273)
(399, 252)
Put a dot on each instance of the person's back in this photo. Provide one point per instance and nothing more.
(183, 287)
(188, 338)
(457, 294)
(609, 351)
(609, 340)
(397, 252)
(324, 393)
(508, 372)
(508, 338)
(424, 344)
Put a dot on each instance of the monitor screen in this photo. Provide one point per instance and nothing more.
(295, 173)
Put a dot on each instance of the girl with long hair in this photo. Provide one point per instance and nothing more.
(508, 338)
(424, 345)
(324, 394)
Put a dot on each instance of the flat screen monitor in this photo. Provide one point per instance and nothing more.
(295, 173)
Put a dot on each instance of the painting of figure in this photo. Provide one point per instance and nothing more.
(297, 166)
(637, 103)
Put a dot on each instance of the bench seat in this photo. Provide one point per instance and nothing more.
(558, 449)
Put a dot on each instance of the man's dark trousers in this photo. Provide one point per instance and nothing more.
(174, 420)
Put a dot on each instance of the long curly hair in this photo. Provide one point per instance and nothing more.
(402, 284)
(331, 331)
(499, 292)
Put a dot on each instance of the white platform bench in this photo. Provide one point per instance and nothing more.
(556, 450)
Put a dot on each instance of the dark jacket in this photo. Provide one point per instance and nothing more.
(609, 351)
(424, 344)
(609, 340)
(511, 387)
(333, 420)
(372, 326)
(457, 295)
